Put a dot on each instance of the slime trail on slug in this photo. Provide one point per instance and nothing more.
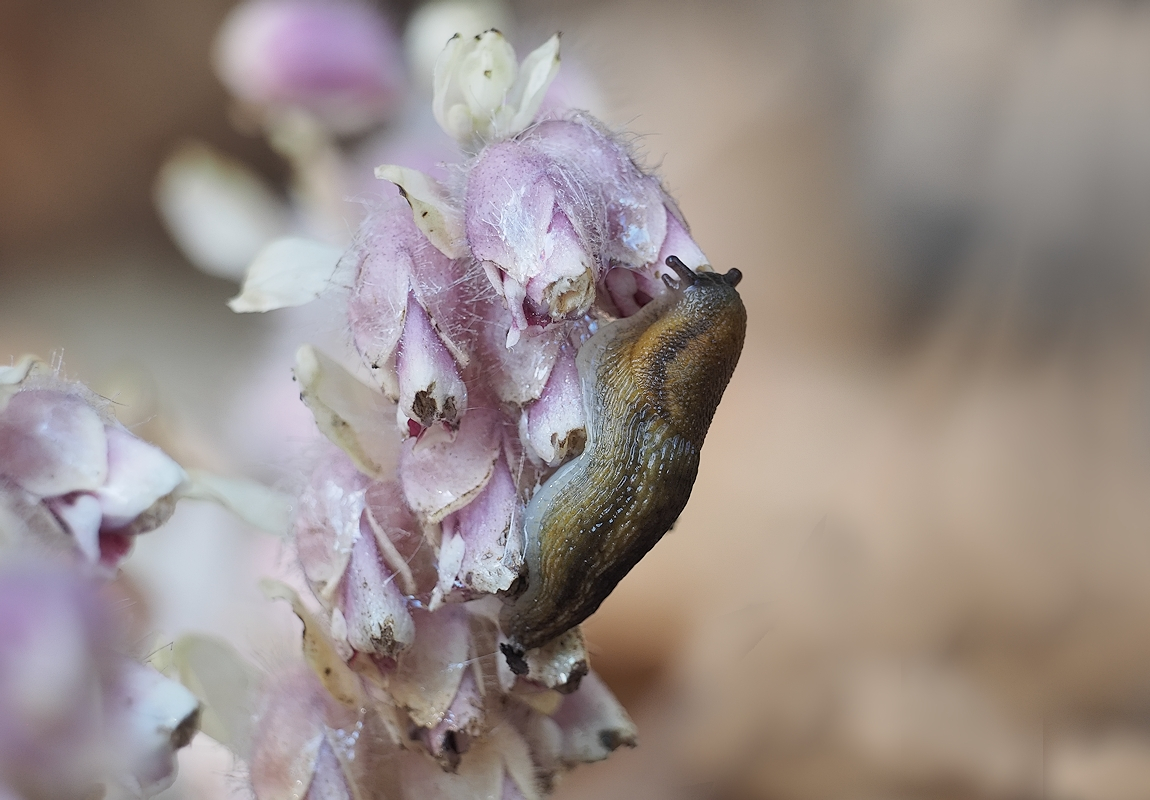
(651, 383)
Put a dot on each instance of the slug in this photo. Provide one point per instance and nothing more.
(651, 383)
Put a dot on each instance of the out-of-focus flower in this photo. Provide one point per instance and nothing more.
(219, 212)
(62, 451)
(77, 716)
(339, 60)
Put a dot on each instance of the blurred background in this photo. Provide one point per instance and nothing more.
(915, 562)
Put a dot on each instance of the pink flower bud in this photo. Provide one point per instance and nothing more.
(430, 388)
(598, 168)
(547, 212)
(102, 483)
(76, 715)
(518, 222)
(407, 292)
(337, 59)
(343, 557)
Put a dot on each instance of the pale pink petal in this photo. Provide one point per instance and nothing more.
(565, 286)
(556, 427)
(150, 717)
(517, 373)
(511, 790)
(290, 730)
(55, 642)
(378, 621)
(430, 671)
(440, 477)
(430, 387)
(479, 775)
(328, 517)
(593, 723)
(52, 443)
(678, 242)
(487, 528)
(140, 475)
(82, 515)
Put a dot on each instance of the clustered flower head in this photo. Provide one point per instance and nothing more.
(79, 717)
(468, 302)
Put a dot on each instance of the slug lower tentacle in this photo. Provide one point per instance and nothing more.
(651, 383)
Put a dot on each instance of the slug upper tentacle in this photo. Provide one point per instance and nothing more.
(651, 383)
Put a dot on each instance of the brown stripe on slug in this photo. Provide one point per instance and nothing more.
(651, 383)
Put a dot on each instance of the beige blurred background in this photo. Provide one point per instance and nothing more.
(915, 563)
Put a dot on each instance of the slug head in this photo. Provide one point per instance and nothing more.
(684, 359)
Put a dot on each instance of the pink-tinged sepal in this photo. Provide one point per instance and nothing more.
(487, 540)
(429, 673)
(374, 608)
(462, 722)
(555, 423)
(430, 387)
(518, 373)
(441, 475)
(593, 723)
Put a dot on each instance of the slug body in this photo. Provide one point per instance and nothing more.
(651, 383)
